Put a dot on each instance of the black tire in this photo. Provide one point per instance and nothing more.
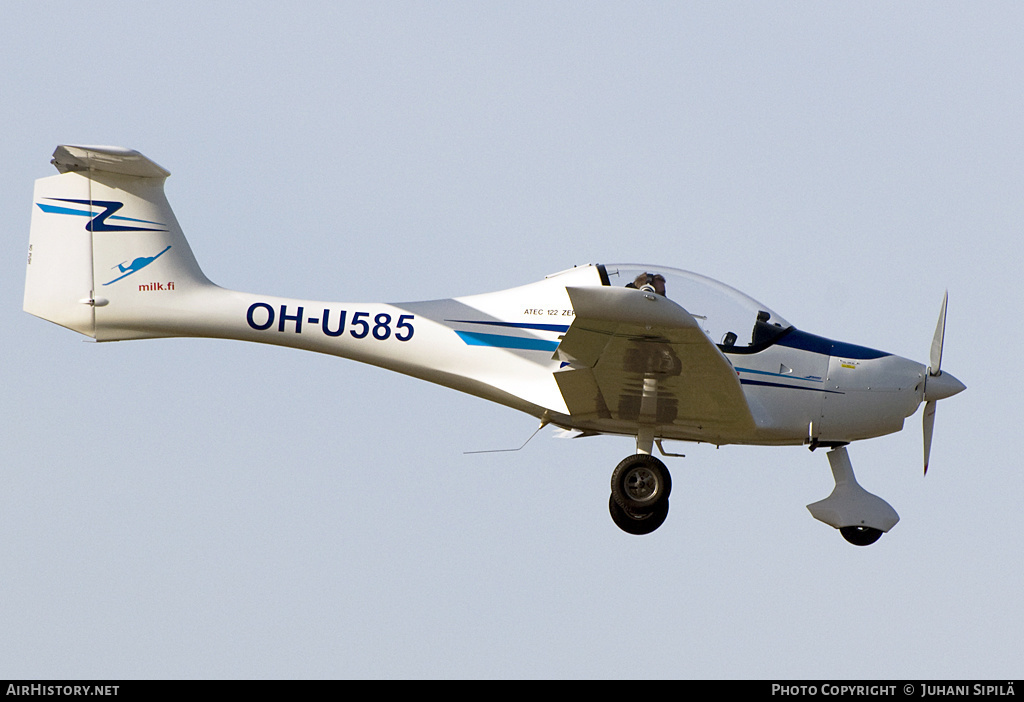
(860, 535)
(637, 524)
(640, 483)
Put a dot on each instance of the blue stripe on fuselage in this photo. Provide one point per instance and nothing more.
(765, 383)
(506, 342)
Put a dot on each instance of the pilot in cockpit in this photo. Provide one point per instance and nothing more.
(763, 330)
(651, 282)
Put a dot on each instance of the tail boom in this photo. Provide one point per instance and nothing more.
(108, 259)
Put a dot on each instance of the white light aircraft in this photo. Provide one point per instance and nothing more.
(636, 350)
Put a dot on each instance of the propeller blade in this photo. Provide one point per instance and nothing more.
(937, 385)
(929, 425)
(940, 333)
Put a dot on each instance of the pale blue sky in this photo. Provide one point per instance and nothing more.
(198, 508)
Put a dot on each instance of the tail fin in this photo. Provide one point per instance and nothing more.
(105, 250)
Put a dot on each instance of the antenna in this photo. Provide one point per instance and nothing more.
(544, 421)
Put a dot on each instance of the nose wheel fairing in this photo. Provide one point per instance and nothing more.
(860, 516)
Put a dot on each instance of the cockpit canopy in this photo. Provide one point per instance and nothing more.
(730, 318)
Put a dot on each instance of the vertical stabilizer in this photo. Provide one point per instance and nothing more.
(106, 255)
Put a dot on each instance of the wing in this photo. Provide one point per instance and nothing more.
(638, 357)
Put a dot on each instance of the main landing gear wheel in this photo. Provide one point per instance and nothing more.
(634, 523)
(640, 483)
(640, 488)
(860, 535)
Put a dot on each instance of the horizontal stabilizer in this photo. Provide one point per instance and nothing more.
(111, 159)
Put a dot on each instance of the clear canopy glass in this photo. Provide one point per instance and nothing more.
(729, 317)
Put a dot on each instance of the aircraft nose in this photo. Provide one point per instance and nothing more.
(941, 386)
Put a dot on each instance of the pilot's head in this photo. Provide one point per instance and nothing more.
(651, 281)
